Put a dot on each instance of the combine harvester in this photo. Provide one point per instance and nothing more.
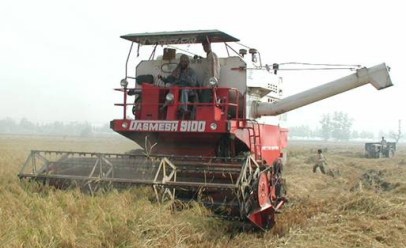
(227, 153)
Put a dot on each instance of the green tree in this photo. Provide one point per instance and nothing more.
(336, 126)
(355, 134)
(397, 136)
(8, 125)
(303, 131)
(86, 130)
(341, 126)
(326, 127)
(366, 135)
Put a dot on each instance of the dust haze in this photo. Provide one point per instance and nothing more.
(61, 61)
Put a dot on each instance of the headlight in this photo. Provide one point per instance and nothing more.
(123, 83)
(124, 125)
(213, 126)
(169, 97)
(213, 82)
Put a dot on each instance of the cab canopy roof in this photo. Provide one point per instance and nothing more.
(179, 37)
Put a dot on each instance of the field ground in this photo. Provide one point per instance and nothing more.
(363, 205)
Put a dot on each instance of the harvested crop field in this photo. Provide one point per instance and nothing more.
(362, 203)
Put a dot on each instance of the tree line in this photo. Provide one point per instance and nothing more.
(24, 126)
(338, 126)
(333, 126)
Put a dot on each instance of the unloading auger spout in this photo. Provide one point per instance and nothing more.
(377, 75)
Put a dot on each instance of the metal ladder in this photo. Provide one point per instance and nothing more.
(255, 139)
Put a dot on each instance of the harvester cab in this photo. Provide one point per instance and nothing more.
(226, 150)
(214, 121)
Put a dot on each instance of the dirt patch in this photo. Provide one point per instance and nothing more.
(373, 180)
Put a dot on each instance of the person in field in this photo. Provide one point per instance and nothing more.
(320, 163)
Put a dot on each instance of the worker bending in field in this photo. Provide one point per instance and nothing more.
(320, 163)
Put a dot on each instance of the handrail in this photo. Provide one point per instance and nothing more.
(221, 98)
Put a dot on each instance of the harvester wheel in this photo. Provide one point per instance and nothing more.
(248, 190)
(280, 189)
(263, 190)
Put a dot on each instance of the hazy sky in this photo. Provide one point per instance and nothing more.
(60, 60)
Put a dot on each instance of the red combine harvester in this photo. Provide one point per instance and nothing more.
(226, 151)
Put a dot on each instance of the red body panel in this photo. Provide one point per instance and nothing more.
(213, 125)
(270, 143)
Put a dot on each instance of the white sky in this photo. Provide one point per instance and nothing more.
(60, 60)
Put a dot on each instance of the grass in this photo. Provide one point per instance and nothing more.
(353, 209)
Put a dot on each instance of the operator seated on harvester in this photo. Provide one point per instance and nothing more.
(183, 76)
